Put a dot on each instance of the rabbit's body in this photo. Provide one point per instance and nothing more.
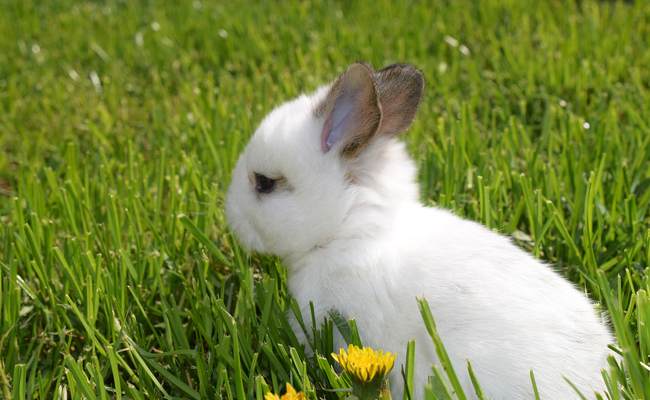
(355, 238)
(489, 300)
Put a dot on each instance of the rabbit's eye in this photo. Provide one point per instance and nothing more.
(264, 184)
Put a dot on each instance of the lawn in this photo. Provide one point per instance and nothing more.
(121, 121)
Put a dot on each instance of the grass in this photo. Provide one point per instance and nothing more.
(120, 122)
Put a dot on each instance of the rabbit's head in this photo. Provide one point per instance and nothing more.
(326, 165)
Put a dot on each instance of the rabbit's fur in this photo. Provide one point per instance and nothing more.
(343, 213)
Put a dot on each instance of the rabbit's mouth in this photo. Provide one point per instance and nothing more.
(242, 228)
(249, 237)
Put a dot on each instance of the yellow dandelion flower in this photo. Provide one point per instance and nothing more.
(290, 395)
(365, 364)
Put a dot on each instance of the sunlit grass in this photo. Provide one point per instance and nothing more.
(120, 122)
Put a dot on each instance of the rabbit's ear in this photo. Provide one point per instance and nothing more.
(352, 110)
(400, 91)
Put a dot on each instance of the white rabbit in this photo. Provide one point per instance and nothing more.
(325, 185)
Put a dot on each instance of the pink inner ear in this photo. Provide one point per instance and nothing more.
(327, 129)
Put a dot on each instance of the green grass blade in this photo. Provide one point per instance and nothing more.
(440, 350)
(409, 371)
(189, 225)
